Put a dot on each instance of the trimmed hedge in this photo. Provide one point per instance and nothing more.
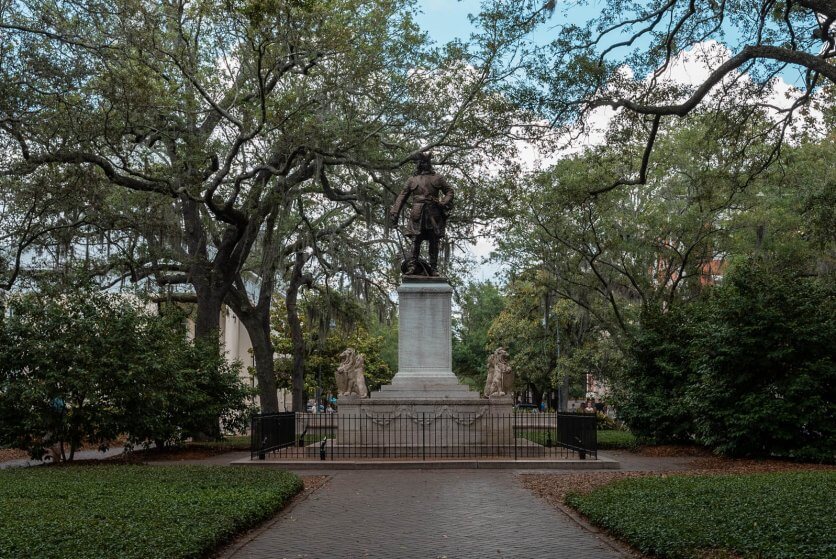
(134, 511)
(768, 516)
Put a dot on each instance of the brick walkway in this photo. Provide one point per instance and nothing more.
(424, 514)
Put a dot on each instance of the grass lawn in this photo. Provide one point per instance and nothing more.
(775, 515)
(606, 439)
(134, 511)
(232, 442)
(616, 439)
(545, 437)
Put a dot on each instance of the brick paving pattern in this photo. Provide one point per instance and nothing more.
(424, 514)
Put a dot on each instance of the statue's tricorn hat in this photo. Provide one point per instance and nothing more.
(424, 161)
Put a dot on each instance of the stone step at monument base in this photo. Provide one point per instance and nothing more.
(401, 395)
(424, 392)
(408, 387)
(523, 448)
(467, 404)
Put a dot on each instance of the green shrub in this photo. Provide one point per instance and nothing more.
(748, 369)
(764, 372)
(86, 366)
(768, 516)
(649, 394)
(604, 422)
(134, 511)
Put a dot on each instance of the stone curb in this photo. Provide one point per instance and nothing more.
(600, 464)
(231, 549)
(600, 534)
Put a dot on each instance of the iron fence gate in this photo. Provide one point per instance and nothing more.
(270, 432)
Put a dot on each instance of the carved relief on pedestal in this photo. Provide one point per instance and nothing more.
(500, 381)
(350, 374)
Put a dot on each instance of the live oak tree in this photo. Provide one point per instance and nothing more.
(343, 260)
(621, 60)
(640, 246)
(232, 110)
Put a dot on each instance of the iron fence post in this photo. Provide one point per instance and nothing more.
(514, 434)
(423, 436)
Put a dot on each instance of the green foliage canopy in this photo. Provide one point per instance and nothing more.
(479, 304)
(333, 321)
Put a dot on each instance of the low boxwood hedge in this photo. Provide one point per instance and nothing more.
(777, 515)
(134, 511)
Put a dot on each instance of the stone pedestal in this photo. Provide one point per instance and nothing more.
(425, 352)
(425, 345)
(408, 427)
(425, 406)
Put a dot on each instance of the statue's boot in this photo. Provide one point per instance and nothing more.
(412, 267)
(433, 257)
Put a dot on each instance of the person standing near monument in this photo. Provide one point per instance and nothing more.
(432, 198)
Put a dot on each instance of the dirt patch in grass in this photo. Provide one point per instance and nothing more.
(745, 466)
(17, 454)
(189, 451)
(169, 454)
(554, 487)
(672, 450)
(7, 454)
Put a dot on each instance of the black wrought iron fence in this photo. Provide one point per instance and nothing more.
(270, 432)
(416, 435)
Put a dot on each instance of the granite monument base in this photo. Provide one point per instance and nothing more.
(425, 410)
(467, 426)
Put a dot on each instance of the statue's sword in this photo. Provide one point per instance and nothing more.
(401, 237)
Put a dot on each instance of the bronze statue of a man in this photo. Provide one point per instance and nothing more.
(432, 198)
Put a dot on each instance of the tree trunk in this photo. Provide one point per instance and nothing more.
(256, 317)
(258, 328)
(536, 397)
(207, 327)
(298, 371)
(563, 395)
(207, 322)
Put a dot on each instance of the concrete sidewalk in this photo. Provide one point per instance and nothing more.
(422, 514)
(603, 463)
